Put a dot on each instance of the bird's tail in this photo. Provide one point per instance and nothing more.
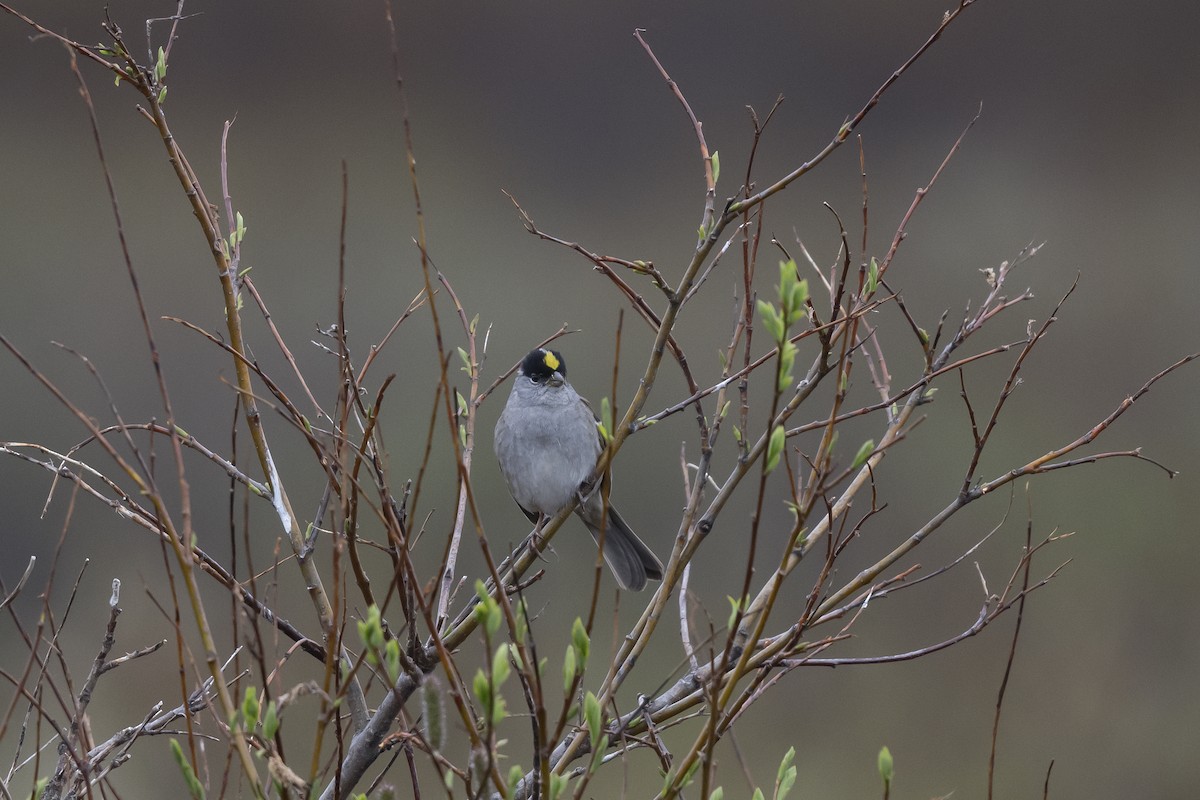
(631, 561)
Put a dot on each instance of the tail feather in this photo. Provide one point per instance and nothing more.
(631, 561)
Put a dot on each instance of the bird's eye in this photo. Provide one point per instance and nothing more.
(535, 378)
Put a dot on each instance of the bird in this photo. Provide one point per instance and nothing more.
(548, 442)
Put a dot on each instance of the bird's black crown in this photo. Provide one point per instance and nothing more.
(542, 363)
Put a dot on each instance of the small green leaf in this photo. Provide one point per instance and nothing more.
(482, 688)
(515, 773)
(160, 68)
(734, 607)
(465, 359)
(717, 794)
(500, 667)
(514, 655)
(591, 713)
(758, 795)
(886, 767)
(557, 784)
(580, 640)
(162, 95)
(786, 784)
(691, 773)
(569, 669)
(775, 447)
(787, 361)
(715, 158)
(487, 611)
(785, 777)
(522, 622)
(499, 710)
(799, 300)
(801, 290)
(481, 613)
(240, 226)
(786, 762)
(189, 775)
(598, 752)
(771, 320)
(271, 720)
(872, 277)
(793, 292)
(370, 630)
(391, 660)
(802, 539)
(250, 708)
(864, 452)
(787, 277)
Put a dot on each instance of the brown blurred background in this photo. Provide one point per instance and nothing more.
(1087, 141)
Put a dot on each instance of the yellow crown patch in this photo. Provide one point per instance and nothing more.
(550, 359)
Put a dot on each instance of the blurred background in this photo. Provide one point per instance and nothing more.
(1087, 142)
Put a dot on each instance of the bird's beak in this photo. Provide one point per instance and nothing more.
(555, 380)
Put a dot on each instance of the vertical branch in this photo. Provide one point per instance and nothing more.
(421, 242)
(710, 181)
(1012, 653)
(466, 416)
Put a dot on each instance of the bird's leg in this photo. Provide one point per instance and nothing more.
(535, 538)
